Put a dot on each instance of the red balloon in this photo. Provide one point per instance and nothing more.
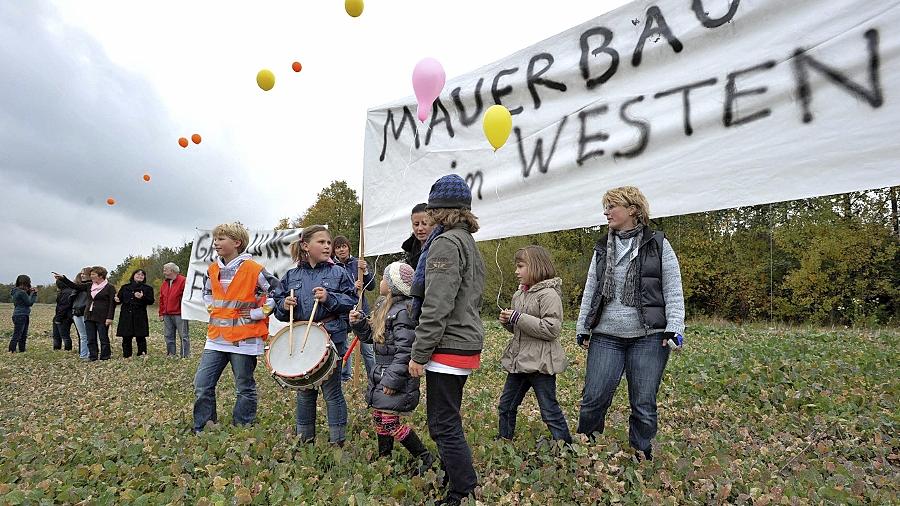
(146, 177)
(183, 142)
(196, 138)
(297, 67)
(111, 201)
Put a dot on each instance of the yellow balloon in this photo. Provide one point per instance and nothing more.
(265, 79)
(497, 123)
(354, 7)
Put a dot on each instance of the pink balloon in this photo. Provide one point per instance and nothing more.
(428, 80)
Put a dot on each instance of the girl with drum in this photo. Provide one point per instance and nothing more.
(322, 291)
(392, 391)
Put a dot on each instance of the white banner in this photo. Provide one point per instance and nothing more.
(703, 105)
(271, 248)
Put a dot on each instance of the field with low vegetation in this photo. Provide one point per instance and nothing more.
(748, 415)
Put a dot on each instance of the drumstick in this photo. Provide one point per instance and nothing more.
(291, 328)
(309, 325)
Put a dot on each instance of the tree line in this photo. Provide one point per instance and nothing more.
(831, 260)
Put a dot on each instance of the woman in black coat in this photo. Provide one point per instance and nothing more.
(62, 321)
(421, 229)
(134, 298)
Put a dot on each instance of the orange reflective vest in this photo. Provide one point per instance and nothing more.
(225, 318)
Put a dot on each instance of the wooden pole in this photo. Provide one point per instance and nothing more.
(360, 274)
(360, 256)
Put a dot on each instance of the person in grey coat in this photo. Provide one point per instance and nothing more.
(392, 391)
(631, 317)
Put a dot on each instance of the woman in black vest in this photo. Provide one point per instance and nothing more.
(632, 315)
(134, 298)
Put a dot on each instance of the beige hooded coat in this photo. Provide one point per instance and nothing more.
(535, 346)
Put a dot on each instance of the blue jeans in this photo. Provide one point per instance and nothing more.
(82, 337)
(643, 360)
(335, 406)
(20, 333)
(212, 363)
(517, 386)
(368, 355)
(171, 323)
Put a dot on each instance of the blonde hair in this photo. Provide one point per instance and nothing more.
(538, 261)
(378, 319)
(297, 252)
(629, 196)
(449, 217)
(234, 231)
(85, 273)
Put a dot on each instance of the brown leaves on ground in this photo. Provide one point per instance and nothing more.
(748, 415)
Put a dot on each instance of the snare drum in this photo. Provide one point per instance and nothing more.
(306, 369)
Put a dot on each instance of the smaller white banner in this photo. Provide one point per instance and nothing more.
(271, 248)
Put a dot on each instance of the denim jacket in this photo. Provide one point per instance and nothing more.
(22, 301)
(369, 284)
(341, 296)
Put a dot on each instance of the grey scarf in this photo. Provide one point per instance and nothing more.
(631, 293)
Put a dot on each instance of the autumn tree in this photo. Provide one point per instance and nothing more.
(336, 206)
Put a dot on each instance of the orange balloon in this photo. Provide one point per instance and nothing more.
(183, 142)
(146, 177)
(196, 138)
(111, 201)
(297, 67)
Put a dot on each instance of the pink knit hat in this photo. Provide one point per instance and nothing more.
(399, 277)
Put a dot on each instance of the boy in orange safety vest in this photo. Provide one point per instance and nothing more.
(235, 291)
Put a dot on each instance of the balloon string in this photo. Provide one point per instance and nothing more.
(497, 261)
(497, 252)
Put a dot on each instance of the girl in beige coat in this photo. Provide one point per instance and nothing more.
(533, 356)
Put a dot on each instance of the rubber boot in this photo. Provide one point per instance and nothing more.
(385, 446)
(419, 452)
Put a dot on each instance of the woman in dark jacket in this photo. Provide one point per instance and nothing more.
(79, 306)
(392, 391)
(421, 229)
(23, 296)
(99, 313)
(134, 298)
(62, 321)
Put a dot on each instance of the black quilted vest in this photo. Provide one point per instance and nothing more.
(652, 307)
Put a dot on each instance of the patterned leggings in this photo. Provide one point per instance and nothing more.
(388, 424)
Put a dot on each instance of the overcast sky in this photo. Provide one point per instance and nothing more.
(94, 94)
